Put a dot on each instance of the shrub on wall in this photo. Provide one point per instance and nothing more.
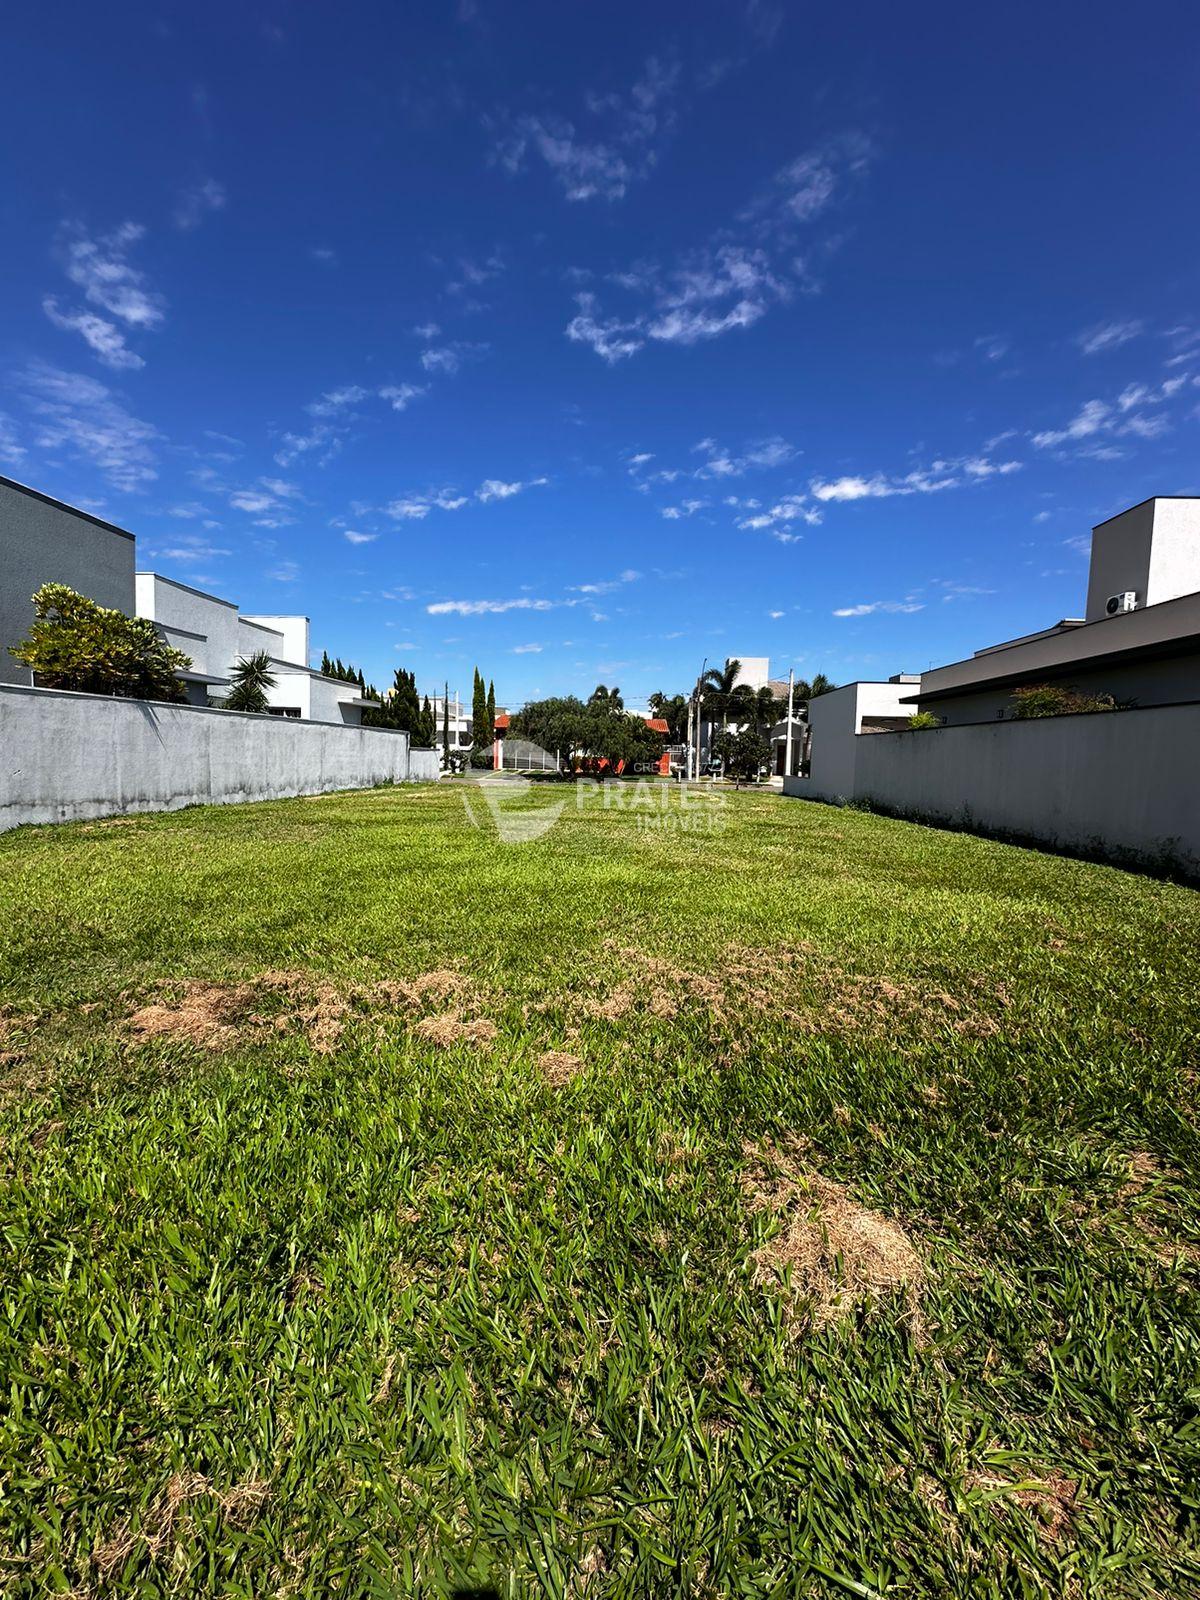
(76, 644)
(924, 719)
(1051, 700)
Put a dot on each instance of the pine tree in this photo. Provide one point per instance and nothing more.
(491, 708)
(481, 755)
(325, 663)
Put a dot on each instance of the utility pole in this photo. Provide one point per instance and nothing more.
(699, 698)
(787, 745)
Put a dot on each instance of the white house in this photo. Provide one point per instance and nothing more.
(217, 636)
(1119, 784)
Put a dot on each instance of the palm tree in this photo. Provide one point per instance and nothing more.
(819, 685)
(606, 699)
(249, 682)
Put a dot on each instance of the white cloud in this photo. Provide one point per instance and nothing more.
(266, 502)
(775, 615)
(497, 489)
(401, 395)
(718, 463)
(527, 650)
(479, 608)
(867, 608)
(1091, 417)
(189, 548)
(426, 331)
(197, 202)
(354, 537)
(323, 254)
(685, 508)
(449, 358)
(789, 508)
(992, 346)
(12, 451)
(609, 337)
(1097, 422)
(104, 337)
(102, 269)
(939, 475)
(81, 415)
(730, 282)
(617, 150)
(336, 400)
(284, 572)
(1108, 336)
(322, 441)
(408, 510)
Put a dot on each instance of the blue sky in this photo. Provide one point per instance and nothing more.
(585, 342)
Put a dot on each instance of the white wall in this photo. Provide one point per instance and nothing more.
(66, 756)
(295, 635)
(1121, 784)
(180, 606)
(835, 719)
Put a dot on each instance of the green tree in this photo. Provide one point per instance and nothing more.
(742, 754)
(605, 699)
(249, 682)
(482, 735)
(674, 711)
(76, 644)
(491, 708)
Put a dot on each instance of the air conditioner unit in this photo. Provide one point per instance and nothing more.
(1116, 603)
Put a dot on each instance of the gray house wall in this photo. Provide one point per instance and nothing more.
(70, 756)
(44, 541)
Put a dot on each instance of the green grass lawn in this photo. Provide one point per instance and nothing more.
(805, 1208)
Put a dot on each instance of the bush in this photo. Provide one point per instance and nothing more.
(76, 644)
(924, 719)
(1051, 700)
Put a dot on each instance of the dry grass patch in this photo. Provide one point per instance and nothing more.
(215, 1015)
(830, 1250)
(447, 1031)
(156, 1532)
(1050, 1498)
(798, 983)
(558, 1067)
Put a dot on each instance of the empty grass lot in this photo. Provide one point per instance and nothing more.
(804, 1209)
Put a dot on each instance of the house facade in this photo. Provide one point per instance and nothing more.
(1138, 641)
(43, 540)
(1119, 784)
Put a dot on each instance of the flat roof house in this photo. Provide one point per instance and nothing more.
(1139, 639)
(42, 540)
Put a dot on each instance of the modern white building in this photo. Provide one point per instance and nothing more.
(217, 636)
(43, 540)
(1139, 639)
(1119, 784)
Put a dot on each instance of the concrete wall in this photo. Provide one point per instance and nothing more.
(68, 756)
(1121, 785)
(42, 541)
(835, 720)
